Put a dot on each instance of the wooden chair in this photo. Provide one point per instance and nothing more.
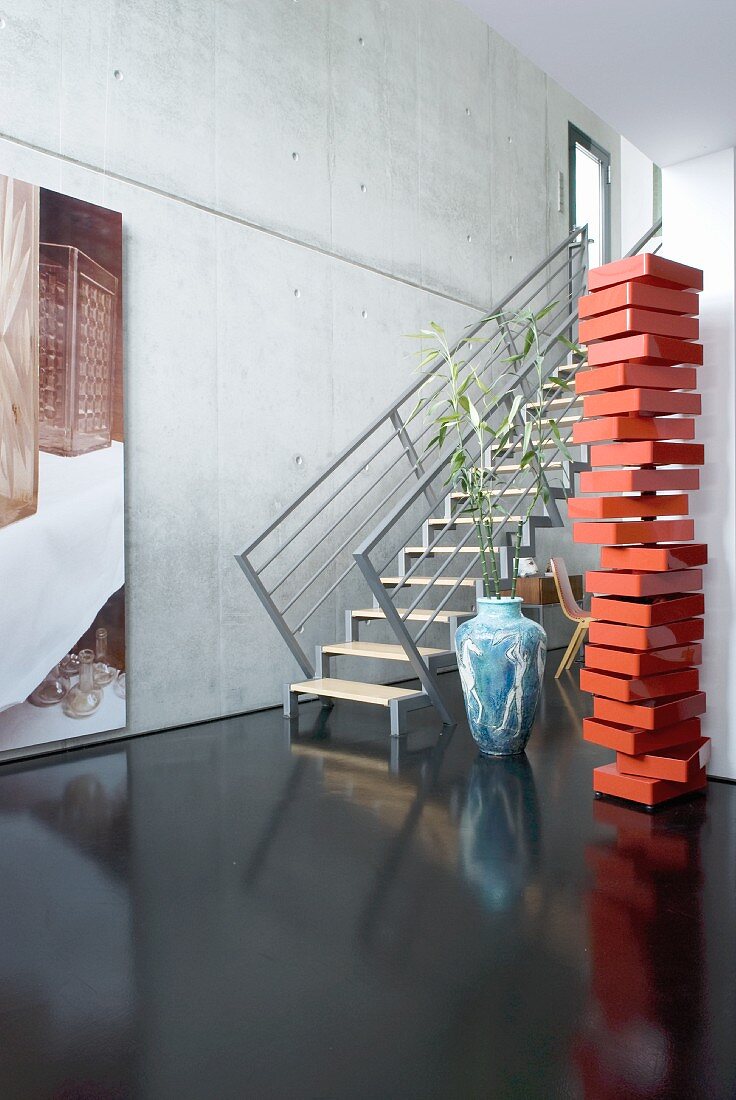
(572, 610)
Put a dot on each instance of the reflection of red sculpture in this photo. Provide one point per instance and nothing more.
(646, 958)
(640, 321)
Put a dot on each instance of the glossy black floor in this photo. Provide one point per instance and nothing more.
(217, 913)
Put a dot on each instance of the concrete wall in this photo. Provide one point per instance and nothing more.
(699, 223)
(394, 159)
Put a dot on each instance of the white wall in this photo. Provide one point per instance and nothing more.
(637, 194)
(698, 198)
(228, 375)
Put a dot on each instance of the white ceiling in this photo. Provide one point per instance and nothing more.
(661, 72)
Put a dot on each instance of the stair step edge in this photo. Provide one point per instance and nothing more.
(384, 651)
(355, 690)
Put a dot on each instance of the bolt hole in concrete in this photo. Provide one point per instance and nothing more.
(297, 293)
(361, 42)
(298, 460)
(467, 110)
(2, 23)
(363, 188)
(469, 238)
(364, 314)
(117, 74)
(295, 156)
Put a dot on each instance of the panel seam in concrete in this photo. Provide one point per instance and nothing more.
(237, 219)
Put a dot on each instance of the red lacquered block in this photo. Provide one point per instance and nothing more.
(655, 559)
(646, 268)
(629, 689)
(643, 402)
(645, 638)
(633, 429)
(643, 585)
(646, 530)
(647, 792)
(629, 322)
(616, 376)
(679, 764)
(628, 662)
(613, 507)
(638, 295)
(645, 349)
(634, 741)
(638, 481)
(649, 715)
(668, 609)
(648, 453)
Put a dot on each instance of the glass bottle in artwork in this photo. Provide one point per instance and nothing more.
(104, 673)
(18, 350)
(52, 689)
(77, 321)
(119, 686)
(84, 698)
(69, 665)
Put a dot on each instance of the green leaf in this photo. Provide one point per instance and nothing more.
(527, 435)
(458, 461)
(561, 445)
(528, 341)
(543, 312)
(561, 383)
(569, 344)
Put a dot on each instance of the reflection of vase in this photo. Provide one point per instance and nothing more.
(18, 337)
(499, 829)
(501, 655)
(78, 304)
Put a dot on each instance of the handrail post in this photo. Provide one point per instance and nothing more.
(425, 676)
(277, 618)
(405, 440)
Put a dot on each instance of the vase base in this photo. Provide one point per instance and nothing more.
(502, 755)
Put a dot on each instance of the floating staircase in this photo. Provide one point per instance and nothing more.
(381, 526)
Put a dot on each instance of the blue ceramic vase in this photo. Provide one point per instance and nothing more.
(501, 655)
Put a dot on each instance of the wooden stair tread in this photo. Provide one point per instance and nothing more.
(499, 489)
(416, 551)
(469, 519)
(381, 694)
(380, 650)
(573, 399)
(509, 467)
(420, 615)
(448, 582)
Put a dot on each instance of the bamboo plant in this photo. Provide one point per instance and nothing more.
(463, 410)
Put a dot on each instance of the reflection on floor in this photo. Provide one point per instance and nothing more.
(221, 912)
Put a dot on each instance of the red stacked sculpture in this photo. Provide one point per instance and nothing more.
(640, 323)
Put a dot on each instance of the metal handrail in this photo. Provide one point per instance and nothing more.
(392, 426)
(408, 392)
(397, 501)
(384, 596)
(653, 231)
